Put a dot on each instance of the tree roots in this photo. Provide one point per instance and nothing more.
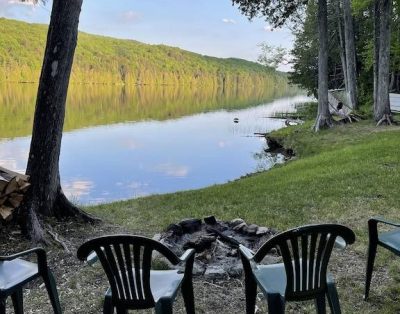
(29, 217)
(386, 119)
(323, 121)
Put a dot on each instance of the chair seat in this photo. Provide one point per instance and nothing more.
(391, 239)
(163, 283)
(272, 278)
(16, 272)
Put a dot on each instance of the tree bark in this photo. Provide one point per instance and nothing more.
(324, 118)
(350, 54)
(377, 25)
(45, 196)
(341, 43)
(382, 111)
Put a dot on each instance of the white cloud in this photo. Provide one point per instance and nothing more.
(130, 16)
(77, 188)
(229, 21)
(172, 170)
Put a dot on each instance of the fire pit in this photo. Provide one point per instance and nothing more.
(216, 243)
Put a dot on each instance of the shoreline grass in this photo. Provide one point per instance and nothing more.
(345, 174)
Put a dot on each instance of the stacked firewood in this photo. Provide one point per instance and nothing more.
(12, 188)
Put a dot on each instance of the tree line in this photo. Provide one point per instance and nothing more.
(106, 60)
(340, 44)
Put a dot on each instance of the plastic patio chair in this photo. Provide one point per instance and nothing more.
(302, 275)
(127, 260)
(16, 272)
(389, 240)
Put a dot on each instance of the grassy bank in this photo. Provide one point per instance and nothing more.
(344, 175)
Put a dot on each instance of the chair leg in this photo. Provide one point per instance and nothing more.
(51, 287)
(320, 304)
(276, 304)
(188, 296)
(108, 307)
(2, 306)
(370, 266)
(333, 298)
(251, 293)
(164, 306)
(17, 299)
(122, 310)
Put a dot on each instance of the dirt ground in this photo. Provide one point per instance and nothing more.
(81, 287)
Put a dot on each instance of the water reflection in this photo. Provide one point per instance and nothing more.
(105, 158)
(94, 105)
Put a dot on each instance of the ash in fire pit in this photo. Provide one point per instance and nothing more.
(215, 242)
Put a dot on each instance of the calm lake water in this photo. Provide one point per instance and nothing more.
(123, 144)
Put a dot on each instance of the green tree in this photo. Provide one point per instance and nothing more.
(45, 196)
(280, 12)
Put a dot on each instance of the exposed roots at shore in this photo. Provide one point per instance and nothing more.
(31, 216)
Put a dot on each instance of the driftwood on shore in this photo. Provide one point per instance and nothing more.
(13, 185)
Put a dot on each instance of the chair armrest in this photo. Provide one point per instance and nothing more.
(40, 254)
(187, 255)
(384, 221)
(246, 252)
(340, 243)
(92, 258)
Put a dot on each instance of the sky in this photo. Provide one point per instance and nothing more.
(209, 27)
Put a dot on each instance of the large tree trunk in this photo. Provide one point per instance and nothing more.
(324, 118)
(342, 49)
(382, 112)
(377, 25)
(45, 196)
(350, 54)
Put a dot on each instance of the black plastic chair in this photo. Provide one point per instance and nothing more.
(302, 275)
(127, 261)
(16, 272)
(389, 240)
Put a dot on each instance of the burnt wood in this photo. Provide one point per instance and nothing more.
(231, 241)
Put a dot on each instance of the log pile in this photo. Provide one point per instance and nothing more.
(12, 188)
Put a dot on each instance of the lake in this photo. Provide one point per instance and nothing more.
(124, 143)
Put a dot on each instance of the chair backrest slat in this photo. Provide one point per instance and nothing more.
(304, 261)
(318, 260)
(127, 262)
(115, 271)
(147, 252)
(107, 267)
(311, 263)
(136, 259)
(306, 252)
(287, 260)
(122, 271)
(296, 261)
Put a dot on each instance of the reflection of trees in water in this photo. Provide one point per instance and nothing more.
(91, 105)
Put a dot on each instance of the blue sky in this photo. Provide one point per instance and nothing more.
(210, 27)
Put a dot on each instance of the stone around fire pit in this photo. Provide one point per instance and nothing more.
(216, 243)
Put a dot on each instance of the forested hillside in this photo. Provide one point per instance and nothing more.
(105, 60)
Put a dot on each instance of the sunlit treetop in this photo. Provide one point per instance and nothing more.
(277, 12)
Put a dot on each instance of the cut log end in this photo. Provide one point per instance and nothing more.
(12, 189)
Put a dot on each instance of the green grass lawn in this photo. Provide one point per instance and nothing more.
(344, 175)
